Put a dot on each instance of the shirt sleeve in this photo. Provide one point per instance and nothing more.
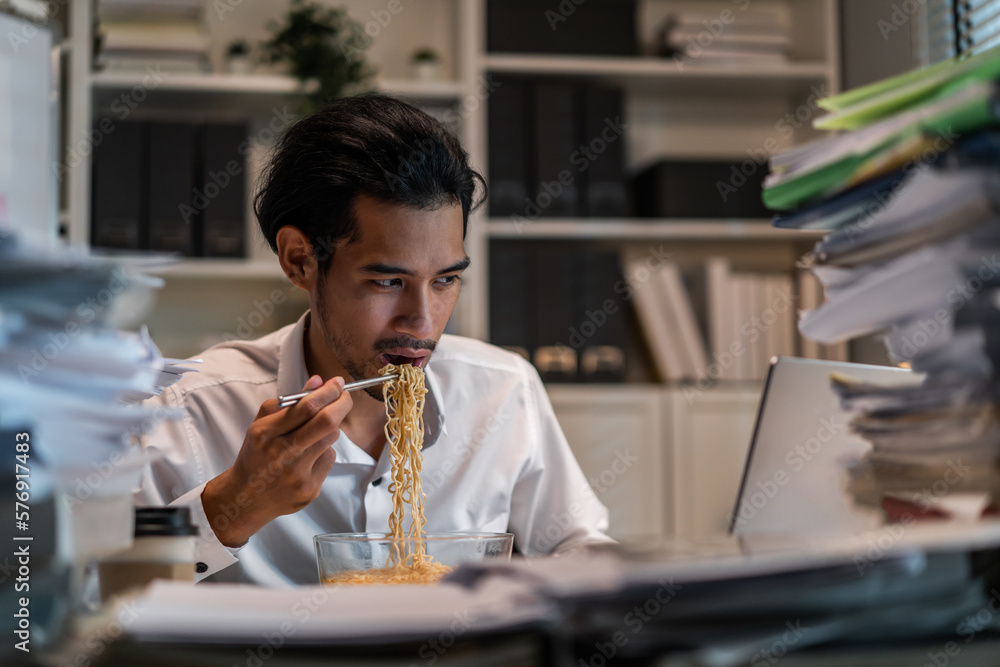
(553, 507)
(175, 476)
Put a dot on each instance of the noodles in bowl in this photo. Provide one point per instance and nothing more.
(364, 558)
(403, 556)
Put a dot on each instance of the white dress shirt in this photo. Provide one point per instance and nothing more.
(494, 458)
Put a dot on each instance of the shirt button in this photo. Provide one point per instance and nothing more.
(377, 482)
(200, 568)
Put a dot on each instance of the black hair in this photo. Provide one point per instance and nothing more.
(373, 145)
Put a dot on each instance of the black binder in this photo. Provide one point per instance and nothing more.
(508, 137)
(602, 316)
(223, 176)
(556, 139)
(512, 289)
(606, 190)
(555, 358)
(118, 187)
(594, 27)
(173, 216)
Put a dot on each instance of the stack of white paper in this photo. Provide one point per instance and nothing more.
(70, 378)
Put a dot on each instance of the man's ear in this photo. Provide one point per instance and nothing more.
(295, 254)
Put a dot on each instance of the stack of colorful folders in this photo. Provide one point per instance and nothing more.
(909, 192)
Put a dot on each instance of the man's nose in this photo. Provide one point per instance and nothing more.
(416, 317)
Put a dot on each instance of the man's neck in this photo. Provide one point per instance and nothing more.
(365, 423)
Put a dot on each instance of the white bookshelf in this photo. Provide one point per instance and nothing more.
(670, 109)
(225, 269)
(698, 111)
(663, 75)
(629, 229)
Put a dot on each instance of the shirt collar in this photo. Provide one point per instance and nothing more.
(292, 376)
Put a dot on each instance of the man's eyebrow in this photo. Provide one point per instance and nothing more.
(461, 265)
(389, 269)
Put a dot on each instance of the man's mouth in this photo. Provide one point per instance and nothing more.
(417, 358)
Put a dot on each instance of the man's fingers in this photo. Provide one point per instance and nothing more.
(272, 406)
(307, 408)
(324, 425)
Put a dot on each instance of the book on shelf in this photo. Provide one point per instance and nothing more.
(556, 149)
(558, 308)
(175, 187)
(750, 319)
(134, 35)
(667, 318)
(723, 326)
(810, 298)
(555, 140)
(699, 188)
(753, 35)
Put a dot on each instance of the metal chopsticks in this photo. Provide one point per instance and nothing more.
(292, 399)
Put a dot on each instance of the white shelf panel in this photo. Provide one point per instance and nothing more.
(443, 91)
(667, 75)
(254, 93)
(263, 84)
(651, 229)
(236, 269)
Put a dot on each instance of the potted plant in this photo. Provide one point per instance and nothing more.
(238, 59)
(426, 64)
(323, 48)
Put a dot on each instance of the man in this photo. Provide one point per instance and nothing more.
(366, 205)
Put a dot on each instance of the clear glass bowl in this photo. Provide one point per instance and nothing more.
(341, 556)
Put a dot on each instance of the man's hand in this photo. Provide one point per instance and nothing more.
(281, 467)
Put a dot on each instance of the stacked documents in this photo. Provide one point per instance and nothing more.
(752, 35)
(909, 192)
(733, 600)
(70, 379)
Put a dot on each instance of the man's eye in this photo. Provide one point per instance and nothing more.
(388, 282)
(448, 280)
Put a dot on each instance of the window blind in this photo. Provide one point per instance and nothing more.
(934, 32)
(943, 29)
(977, 25)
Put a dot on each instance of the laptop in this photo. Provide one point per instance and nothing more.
(794, 480)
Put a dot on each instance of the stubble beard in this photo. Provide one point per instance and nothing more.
(339, 343)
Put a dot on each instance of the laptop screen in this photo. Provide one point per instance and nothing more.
(794, 480)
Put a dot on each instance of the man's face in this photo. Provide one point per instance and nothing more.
(388, 296)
